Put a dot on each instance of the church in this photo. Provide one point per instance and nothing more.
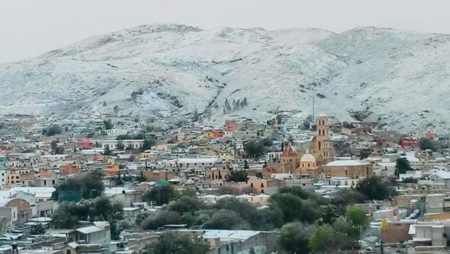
(319, 160)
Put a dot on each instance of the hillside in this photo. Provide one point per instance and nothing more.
(167, 72)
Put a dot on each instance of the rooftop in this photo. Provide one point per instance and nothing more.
(343, 163)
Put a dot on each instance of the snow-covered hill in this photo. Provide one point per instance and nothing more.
(170, 71)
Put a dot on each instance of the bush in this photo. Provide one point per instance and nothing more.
(425, 144)
(410, 180)
(160, 219)
(401, 166)
(176, 242)
(52, 130)
(237, 176)
(374, 188)
(294, 237)
(160, 195)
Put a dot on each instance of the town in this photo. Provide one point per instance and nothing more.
(321, 186)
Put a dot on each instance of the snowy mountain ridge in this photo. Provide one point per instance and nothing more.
(398, 79)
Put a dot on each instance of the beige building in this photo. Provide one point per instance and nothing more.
(321, 146)
(348, 168)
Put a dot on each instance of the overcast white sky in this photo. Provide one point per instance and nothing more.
(31, 27)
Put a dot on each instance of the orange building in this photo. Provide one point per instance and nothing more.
(69, 169)
(215, 134)
(19, 176)
(156, 175)
(112, 170)
(260, 185)
(289, 159)
(216, 174)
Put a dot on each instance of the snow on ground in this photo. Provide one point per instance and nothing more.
(401, 78)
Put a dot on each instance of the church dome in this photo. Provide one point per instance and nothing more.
(307, 157)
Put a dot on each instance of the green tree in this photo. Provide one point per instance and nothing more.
(294, 237)
(425, 144)
(253, 149)
(289, 204)
(90, 185)
(358, 219)
(246, 166)
(326, 240)
(402, 165)
(120, 145)
(176, 242)
(374, 188)
(65, 216)
(160, 195)
(52, 130)
(237, 176)
(148, 143)
(344, 197)
(186, 204)
(108, 124)
(37, 229)
(410, 180)
(107, 151)
(226, 219)
(160, 219)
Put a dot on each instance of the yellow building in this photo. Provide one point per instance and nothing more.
(321, 145)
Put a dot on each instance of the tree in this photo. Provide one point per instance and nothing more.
(246, 166)
(52, 130)
(148, 143)
(107, 151)
(344, 197)
(160, 195)
(294, 237)
(186, 204)
(108, 124)
(177, 242)
(37, 229)
(227, 107)
(65, 216)
(326, 240)
(253, 149)
(120, 145)
(289, 204)
(237, 176)
(358, 219)
(410, 180)
(101, 209)
(90, 185)
(374, 188)
(402, 165)
(195, 116)
(160, 219)
(54, 145)
(425, 144)
(226, 219)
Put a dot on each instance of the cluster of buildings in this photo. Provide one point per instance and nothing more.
(324, 160)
